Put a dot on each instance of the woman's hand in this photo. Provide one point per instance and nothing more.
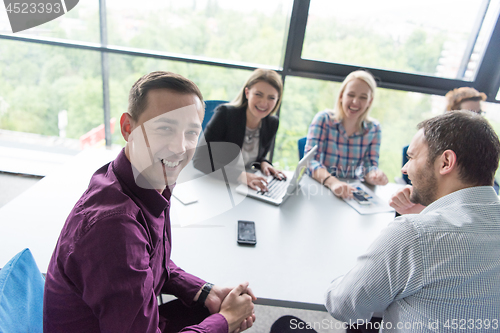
(376, 177)
(267, 169)
(339, 188)
(253, 181)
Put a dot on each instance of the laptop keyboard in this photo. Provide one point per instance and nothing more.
(276, 188)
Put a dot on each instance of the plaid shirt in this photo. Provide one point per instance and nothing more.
(343, 156)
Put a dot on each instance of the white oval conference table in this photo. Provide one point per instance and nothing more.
(302, 245)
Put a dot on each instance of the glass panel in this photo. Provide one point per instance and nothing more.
(247, 31)
(40, 81)
(215, 83)
(81, 23)
(427, 37)
(492, 113)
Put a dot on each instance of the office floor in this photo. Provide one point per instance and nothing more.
(12, 185)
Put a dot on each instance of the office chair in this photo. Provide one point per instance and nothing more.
(209, 111)
(405, 159)
(21, 295)
(301, 145)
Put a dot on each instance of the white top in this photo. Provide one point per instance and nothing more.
(435, 271)
(250, 149)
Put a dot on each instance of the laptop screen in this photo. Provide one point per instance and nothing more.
(302, 168)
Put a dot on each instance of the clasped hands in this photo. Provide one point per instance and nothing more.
(235, 304)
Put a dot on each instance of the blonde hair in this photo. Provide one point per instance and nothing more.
(365, 76)
(260, 75)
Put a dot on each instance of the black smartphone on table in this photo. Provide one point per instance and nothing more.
(246, 233)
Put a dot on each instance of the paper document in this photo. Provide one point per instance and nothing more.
(185, 193)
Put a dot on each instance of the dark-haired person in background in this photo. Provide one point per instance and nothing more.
(467, 98)
(428, 271)
(112, 258)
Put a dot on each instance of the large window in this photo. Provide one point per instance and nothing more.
(80, 24)
(246, 31)
(398, 112)
(445, 38)
(419, 51)
(39, 81)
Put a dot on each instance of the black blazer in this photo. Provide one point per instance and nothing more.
(228, 124)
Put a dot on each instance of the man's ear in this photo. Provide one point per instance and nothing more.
(126, 127)
(447, 162)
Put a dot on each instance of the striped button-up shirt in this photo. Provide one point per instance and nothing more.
(343, 156)
(437, 271)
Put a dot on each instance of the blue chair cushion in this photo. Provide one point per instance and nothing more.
(21, 295)
(301, 145)
(405, 159)
(210, 107)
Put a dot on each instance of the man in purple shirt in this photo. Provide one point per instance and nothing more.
(112, 258)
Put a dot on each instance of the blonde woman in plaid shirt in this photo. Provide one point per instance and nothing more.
(348, 140)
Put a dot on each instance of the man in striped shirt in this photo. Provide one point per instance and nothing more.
(436, 268)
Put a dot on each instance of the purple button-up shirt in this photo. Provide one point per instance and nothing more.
(113, 258)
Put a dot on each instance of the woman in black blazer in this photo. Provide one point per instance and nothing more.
(249, 123)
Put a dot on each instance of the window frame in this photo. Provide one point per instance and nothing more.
(487, 78)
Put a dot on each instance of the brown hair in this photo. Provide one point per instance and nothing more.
(477, 151)
(455, 97)
(258, 75)
(137, 99)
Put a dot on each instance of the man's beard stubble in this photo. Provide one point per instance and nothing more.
(425, 193)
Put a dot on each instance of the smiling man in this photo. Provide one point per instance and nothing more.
(435, 271)
(112, 258)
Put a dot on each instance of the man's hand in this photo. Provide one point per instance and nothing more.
(267, 169)
(238, 307)
(400, 201)
(376, 177)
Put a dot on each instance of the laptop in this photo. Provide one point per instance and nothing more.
(280, 190)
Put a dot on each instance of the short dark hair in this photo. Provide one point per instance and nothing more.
(137, 99)
(473, 140)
